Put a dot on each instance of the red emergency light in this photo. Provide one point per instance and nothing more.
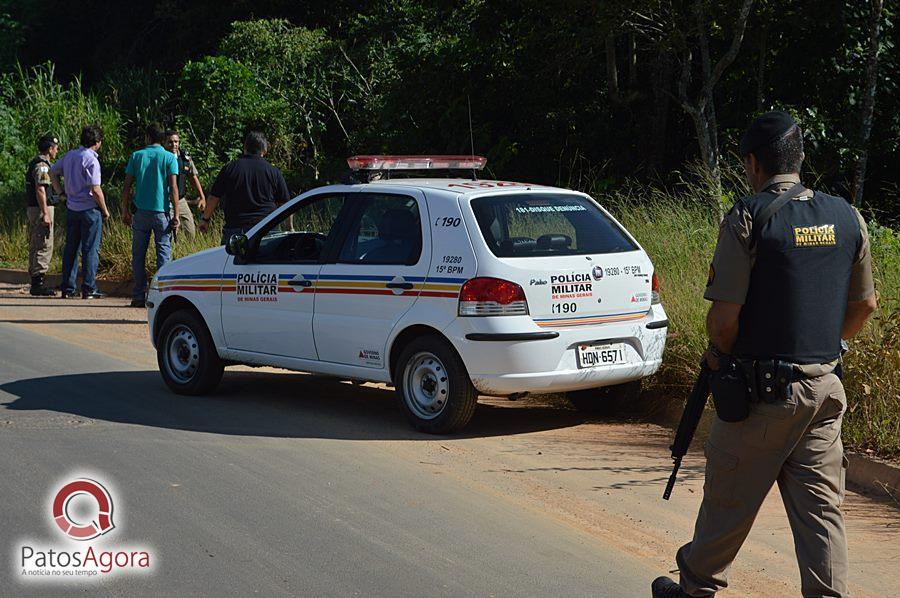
(416, 162)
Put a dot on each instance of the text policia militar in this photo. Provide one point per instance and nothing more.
(77, 562)
(257, 286)
(570, 286)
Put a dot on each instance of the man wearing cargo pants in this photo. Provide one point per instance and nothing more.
(40, 215)
(787, 285)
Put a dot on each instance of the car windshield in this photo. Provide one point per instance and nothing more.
(529, 225)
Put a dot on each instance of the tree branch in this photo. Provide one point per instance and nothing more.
(732, 52)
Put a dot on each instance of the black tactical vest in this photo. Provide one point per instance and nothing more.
(30, 188)
(182, 164)
(797, 298)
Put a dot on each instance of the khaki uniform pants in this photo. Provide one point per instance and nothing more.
(186, 218)
(40, 242)
(797, 444)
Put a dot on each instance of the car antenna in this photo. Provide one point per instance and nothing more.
(471, 136)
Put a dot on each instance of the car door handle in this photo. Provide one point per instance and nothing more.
(300, 283)
(399, 285)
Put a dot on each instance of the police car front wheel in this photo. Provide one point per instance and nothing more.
(434, 387)
(187, 357)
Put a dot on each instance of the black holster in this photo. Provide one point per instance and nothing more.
(730, 391)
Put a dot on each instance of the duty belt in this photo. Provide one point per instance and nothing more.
(769, 380)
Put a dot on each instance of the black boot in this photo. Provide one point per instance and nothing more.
(665, 587)
(38, 289)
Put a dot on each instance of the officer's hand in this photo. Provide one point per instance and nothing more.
(126, 217)
(203, 226)
(46, 220)
(712, 362)
(201, 205)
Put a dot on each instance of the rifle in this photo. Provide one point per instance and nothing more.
(693, 409)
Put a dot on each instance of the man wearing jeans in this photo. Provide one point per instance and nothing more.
(85, 211)
(154, 172)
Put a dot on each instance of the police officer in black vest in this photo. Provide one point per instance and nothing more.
(39, 206)
(791, 277)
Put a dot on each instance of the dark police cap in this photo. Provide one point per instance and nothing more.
(765, 129)
(46, 142)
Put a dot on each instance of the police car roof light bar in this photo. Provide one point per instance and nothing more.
(383, 162)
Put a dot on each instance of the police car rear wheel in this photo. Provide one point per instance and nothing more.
(187, 357)
(606, 399)
(434, 386)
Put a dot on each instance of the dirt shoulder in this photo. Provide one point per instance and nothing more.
(603, 476)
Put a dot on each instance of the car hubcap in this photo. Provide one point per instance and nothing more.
(182, 354)
(426, 387)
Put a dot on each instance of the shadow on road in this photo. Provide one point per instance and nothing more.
(73, 321)
(259, 404)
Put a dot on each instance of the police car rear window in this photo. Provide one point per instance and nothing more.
(528, 225)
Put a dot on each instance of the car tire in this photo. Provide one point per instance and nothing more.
(186, 354)
(434, 386)
(605, 398)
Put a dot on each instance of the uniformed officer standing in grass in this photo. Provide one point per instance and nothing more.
(186, 171)
(40, 215)
(786, 286)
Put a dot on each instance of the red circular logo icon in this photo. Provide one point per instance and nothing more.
(78, 530)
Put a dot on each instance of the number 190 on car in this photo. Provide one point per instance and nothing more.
(597, 355)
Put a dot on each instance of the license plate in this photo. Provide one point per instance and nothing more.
(590, 356)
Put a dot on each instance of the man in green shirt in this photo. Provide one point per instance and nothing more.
(154, 173)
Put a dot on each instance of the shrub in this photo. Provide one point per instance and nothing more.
(220, 99)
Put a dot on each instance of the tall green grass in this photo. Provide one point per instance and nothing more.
(679, 233)
(115, 249)
(32, 104)
(676, 225)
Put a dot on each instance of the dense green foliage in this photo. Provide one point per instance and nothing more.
(559, 91)
(580, 94)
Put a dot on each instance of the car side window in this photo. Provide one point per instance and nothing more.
(300, 234)
(387, 230)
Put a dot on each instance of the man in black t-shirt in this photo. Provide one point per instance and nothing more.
(249, 188)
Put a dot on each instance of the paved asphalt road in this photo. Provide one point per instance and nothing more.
(242, 494)
(285, 484)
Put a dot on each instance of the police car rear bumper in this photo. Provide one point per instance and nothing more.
(508, 355)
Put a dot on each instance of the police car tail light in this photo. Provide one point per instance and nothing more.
(492, 297)
(416, 162)
(654, 290)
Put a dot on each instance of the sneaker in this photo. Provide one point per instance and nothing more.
(95, 294)
(69, 295)
(138, 303)
(665, 587)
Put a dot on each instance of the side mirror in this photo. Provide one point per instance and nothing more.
(237, 246)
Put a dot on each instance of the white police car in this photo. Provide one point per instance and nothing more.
(444, 287)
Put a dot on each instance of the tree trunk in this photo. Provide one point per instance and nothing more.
(612, 73)
(705, 127)
(662, 80)
(632, 61)
(868, 105)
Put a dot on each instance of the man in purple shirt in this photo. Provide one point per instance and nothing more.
(85, 211)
